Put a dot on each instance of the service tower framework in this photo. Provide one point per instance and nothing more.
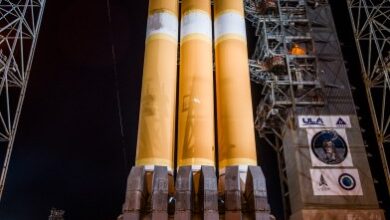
(371, 26)
(20, 21)
(306, 111)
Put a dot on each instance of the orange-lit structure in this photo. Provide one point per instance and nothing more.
(297, 50)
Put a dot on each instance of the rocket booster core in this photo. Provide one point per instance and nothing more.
(156, 129)
(196, 105)
(236, 138)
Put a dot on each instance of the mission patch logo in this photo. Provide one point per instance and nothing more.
(329, 147)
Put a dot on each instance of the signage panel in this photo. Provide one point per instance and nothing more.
(336, 182)
(324, 121)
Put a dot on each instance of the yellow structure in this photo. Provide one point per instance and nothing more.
(156, 129)
(236, 137)
(297, 50)
(196, 105)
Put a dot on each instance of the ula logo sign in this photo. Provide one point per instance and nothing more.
(340, 122)
(313, 121)
(324, 121)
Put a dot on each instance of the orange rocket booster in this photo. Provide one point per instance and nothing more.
(196, 107)
(156, 129)
(236, 138)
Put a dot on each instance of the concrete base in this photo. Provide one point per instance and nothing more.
(338, 214)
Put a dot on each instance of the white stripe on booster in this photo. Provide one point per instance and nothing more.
(196, 23)
(162, 23)
(230, 23)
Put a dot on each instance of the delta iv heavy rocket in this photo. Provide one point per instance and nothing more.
(151, 191)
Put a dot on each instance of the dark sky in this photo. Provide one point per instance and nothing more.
(69, 152)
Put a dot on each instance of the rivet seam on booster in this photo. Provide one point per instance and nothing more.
(230, 23)
(196, 22)
(162, 23)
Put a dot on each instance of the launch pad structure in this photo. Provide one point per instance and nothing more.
(307, 101)
(20, 22)
(306, 114)
(371, 27)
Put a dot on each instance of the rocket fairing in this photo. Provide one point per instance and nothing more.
(156, 129)
(236, 137)
(196, 105)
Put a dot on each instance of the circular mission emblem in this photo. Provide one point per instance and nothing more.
(329, 147)
(347, 181)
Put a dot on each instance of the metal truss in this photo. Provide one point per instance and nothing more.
(289, 80)
(20, 21)
(371, 26)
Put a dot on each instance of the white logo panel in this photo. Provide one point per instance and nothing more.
(324, 121)
(336, 182)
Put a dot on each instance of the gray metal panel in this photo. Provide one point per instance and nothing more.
(331, 68)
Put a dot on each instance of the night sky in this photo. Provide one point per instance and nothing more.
(69, 152)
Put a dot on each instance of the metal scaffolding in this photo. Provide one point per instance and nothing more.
(371, 26)
(20, 21)
(284, 64)
(284, 61)
(298, 64)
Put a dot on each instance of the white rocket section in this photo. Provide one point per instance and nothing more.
(196, 22)
(230, 23)
(163, 23)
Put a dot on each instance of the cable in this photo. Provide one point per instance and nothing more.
(117, 92)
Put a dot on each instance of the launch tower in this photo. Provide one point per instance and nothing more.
(371, 26)
(19, 27)
(307, 112)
